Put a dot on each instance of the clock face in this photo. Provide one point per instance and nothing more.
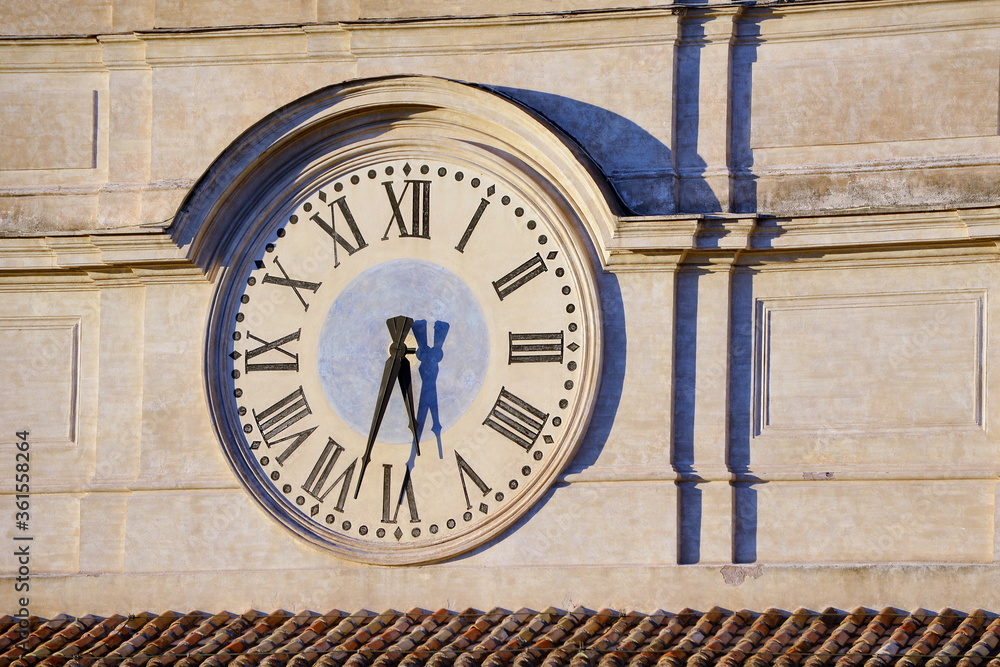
(406, 361)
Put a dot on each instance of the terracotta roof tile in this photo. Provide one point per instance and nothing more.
(959, 640)
(500, 638)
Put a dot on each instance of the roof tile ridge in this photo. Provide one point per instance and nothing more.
(937, 626)
(519, 641)
(838, 638)
(69, 632)
(11, 635)
(754, 635)
(249, 638)
(147, 632)
(448, 653)
(441, 637)
(369, 652)
(960, 638)
(300, 641)
(591, 655)
(173, 633)
(277, 637)
(591, 625)
(411, 640)
(692, 639)
(117, 635)
(81, 644)
(899, 638)
(342, 651)
(864, 644)
(225, 634)
(639, 635)
(982, 648)
(37, 638)
(717, 644)
(190, 640)
(664, 639)
(334, 637)
(544, 645)
(473, 656)
(806, 640)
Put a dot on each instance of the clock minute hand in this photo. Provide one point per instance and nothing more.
(398, 326)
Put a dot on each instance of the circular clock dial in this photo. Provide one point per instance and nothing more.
(408, 359)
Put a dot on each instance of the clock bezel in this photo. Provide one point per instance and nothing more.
(243, 223)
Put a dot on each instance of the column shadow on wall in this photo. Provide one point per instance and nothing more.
(694, 194)
(695, 197)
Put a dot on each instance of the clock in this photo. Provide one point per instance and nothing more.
(407, 354)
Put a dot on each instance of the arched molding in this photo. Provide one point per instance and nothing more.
(294, 147)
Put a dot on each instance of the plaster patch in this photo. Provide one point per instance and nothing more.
(734, 575)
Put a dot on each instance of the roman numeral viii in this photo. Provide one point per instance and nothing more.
(267, 346)
(535, 347)
(517, 278)
(275, 420)
(331, 228)
(516, 419)
(420, 209)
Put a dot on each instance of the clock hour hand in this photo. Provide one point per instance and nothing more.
(399, 327)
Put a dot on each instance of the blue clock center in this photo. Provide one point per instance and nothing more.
(447, 370)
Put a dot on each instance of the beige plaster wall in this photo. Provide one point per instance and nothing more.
(790, 384)
(782, 108)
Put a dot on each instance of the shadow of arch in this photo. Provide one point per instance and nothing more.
(637, 164)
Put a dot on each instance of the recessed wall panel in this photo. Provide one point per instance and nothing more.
(870, 362)
(41, 368)
(48, 129)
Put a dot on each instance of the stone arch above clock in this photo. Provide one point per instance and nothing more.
(295, 144)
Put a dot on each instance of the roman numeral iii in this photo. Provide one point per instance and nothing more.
(517, 278)
(535, 347)
(516, 419)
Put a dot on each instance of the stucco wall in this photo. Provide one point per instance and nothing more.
(798, 297)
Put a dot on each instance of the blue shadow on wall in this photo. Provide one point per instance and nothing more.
(650, 180)
(637, 164)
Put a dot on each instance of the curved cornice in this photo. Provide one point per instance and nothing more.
(295, 144)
